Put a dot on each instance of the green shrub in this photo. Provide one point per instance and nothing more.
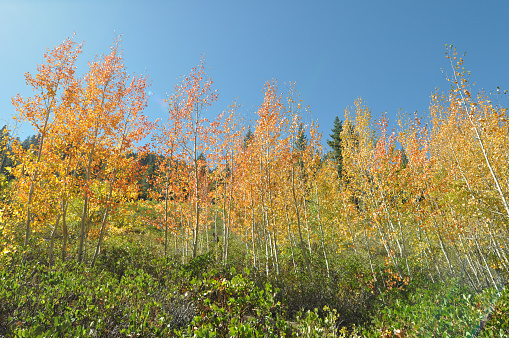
(134, 291)
(497, 324)
(445, 310)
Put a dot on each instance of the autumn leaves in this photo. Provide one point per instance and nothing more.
(235, 185)
(429, 199)
(438, 204)
(87, 127)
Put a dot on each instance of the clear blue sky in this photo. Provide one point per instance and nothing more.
(390, 53)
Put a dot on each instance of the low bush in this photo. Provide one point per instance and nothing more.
(133, 291)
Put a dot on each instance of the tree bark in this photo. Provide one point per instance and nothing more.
(302, 245)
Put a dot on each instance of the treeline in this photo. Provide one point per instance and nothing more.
(428, 200)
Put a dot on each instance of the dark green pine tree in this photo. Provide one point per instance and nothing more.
(335, 144)
(148, 161)
(29, 141)
(248, 138)
(301, 142)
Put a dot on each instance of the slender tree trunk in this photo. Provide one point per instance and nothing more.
(52, 240)
(85, 209)
(446, 255)
(175, 244)
(103, 223)
(182, 232)
(302, 246)
(501, 255)
(196, 227)
(225, 225)
(469, 261)
(34, 176)
(65, 233)
(196, 181)
(306, 222)
(271, 219)
(290, 234)
(228, 219)
(346, 212)
(485, 154)
(432, 254)
(322, 238)
(230, 200)
(266, 252)
(403, 240)
(207, 226)
(385, 239)
(481, 144)
(216, 235)
(368, 244)
(464, 267)
(166, 193)
(271, 249)
(486, 264)
(391, 225)
(184, 245)
(253, 228)
(83, 225)
(187, 247)
(246, 236)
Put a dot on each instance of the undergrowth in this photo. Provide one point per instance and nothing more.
(133, 291)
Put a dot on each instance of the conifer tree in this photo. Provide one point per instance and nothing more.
(248, 138)
(335, 144)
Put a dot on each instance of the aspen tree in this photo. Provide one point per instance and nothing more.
(51, 85)
(106, 102)
(191, 97)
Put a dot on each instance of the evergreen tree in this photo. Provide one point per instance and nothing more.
(29, 141)
(202, 164)
(301, 142)
(7, 159)
(148, 163)
(335, 144)
(300, 145)
(5, 152)
(248, 137)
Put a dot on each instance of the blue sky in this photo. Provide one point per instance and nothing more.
(390, 53)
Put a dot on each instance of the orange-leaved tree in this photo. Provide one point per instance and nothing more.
(192, 133)
(109, 109)
(87, 128)
(54, 86)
